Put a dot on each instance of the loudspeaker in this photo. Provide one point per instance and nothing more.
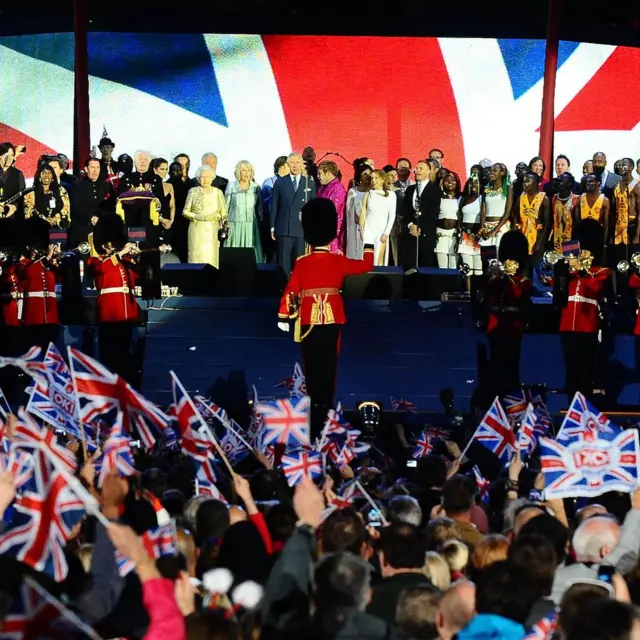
(270, 281)
(237, 272)
(191, 279)
(383, 283)
(429, 283)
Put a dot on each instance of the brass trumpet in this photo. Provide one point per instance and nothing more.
(163, 248)
(551, 258)
(624, 265)
(83, 248)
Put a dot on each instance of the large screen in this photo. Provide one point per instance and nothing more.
(249, 97)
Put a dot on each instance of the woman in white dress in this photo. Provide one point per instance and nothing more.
(378, 216)
(353, 207)
(496, 206)
(470, 208)
(205, 209)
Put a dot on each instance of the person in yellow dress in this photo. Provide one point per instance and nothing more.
(205, 209)
(533, 215)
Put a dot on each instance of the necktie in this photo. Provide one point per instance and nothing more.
(295, 183)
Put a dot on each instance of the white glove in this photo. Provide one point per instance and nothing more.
(283, 326)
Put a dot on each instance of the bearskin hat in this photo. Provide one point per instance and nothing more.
(514, 246)
(36, 233)
(590, 235)
(319, 222)
(110, 228)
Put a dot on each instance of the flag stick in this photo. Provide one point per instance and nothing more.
(369, 499)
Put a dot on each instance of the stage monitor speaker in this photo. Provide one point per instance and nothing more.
(191, 279)
(383, 283)
(429, 283)
(270, 281)
(237, 272)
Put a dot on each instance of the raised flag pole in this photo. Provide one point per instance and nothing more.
(547, 124)
(82, 137)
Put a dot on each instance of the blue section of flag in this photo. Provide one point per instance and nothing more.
(524, 60)
(173, 67)
(176, 68)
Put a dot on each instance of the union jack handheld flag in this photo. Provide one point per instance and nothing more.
(483, 484)
(589, 468)
(495, 432)
(526, 434)
(544, 629)
(157, 542)
(424, 446)
(116, 454)
(302, 463)
(583, 420)
(400, 404)
(19, 463)
(286, 421)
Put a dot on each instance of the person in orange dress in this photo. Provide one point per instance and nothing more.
(313, 299)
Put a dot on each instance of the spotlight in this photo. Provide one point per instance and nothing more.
(370, 413)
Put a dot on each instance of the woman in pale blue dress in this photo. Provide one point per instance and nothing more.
(244, 206)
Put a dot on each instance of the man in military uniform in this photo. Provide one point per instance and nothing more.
(580, 315)
(508, 296)
(117, 311)
(313, 299)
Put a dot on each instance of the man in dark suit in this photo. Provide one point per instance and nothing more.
(608, 180)
(421, 206)
(290, 194)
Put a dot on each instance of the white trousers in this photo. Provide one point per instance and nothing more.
(446, 248)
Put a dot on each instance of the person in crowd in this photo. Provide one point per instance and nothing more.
(211, 160)
(142, 177)
(290, 194)
(593, 204)
(580, 303)
(492, 548)
(448, 222)
(608, 180)
(117, 311)
(205, 209)
(508, 295)
(401, 558)
(403, 171)
(331, 188)
(538, 166)
(496, 206)
(49, 200)
(458, 496)
(522, 168)
(421, 207)
(532, 217)
(108, 166)
(160, 167)
(470, 208)
(312, 298)
(179, 179)
(417, 611)
(90, 198)
(405, 509)
(377, 217)
(563, 207)
(11, 178)
(244, 208)
(353, 210)
(456, 609)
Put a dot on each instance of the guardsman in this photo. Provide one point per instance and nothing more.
(580, 317)
(40, 316)
(313, 299)
(508, 297)
(117, 311)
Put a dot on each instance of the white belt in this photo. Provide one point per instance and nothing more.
(40, 294)
(114, 290)
(583, 299)
(14, 295)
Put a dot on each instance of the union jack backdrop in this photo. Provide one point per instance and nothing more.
(213, 89)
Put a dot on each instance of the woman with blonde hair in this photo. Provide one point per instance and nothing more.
(492, 548)
(456, 554)
(206, 212)
(244, 207)
(378, 216)
(437, 570)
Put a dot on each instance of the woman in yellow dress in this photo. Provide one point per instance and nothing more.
(206, 211)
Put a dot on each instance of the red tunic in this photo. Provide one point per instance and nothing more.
(582, 314)
(11, 294)
(38, 280)
(314, 287)
(634, 283)
(115, 281)
(508, 297)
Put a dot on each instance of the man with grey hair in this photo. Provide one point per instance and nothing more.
(600, 540)
(456, 609)
(404, 509)
(142, 176)
(210, 159)
(290, 194)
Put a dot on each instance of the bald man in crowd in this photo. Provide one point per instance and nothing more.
(456, 609)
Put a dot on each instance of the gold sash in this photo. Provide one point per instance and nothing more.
(529, 218)
(622, 197)
(591, 212)
(562, 220)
